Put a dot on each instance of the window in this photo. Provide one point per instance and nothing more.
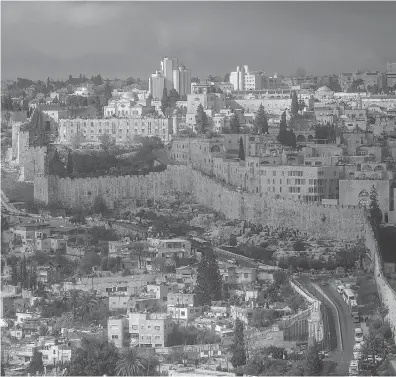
(157, 327)
(112, 337)
(157, 337)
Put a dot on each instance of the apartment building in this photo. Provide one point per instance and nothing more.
(54, 354)
(183, 314)
(126, 108)
(150, 329)
(122, 130)
(179, 298)
(238, 275)
(118, 331)
(306, 183)
(391, 74)
(170, 248)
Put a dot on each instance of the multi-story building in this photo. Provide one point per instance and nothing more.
(182, 80)
(168, 65)
(150, 329)
(160, 291)
(355, 119)
(117, 331)
(243, 79)
(391, 74)
(209, 101)
(120, 129)
(156, 85)
(179, 298)
(126, 108)
(237, 78)
(185, 313)
(170, 248)
(345, 80)
(238, 275)
(54, 354)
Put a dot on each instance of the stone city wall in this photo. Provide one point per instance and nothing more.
(329, 222)
(385, 291)
(34, 162)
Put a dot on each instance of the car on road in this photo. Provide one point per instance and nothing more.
(358, 335)
(354, 368)
(357, 351)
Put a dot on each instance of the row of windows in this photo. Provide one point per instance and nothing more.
(135, 327)
(107, 124)
(294, 189)
(293, 173)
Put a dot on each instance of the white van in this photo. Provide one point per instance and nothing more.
(340, 289)
(357, 351)
(358, 335)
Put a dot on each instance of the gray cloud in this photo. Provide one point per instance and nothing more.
(121, 39)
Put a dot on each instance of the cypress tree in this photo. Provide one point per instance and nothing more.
(260, 121)
(209, 281)
(36, 364)
(164, 101)
(294, 104)
(282, 129)
(238, 348)
(235, 125)
(375, 214)
(201, 120)
(241, 153)
(69, 164)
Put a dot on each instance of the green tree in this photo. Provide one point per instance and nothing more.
(241, 153)
(227, 77)
(36, 363)
(282, 129)
(238, 350)
(201, 120)
(56, 166)
(260, 121)
(294, 104)
(107, 93)
(91, 259)
(76, 140)
(291, 139)
(5, 225)
(164, 102)
(94, 358)
(375, 214)
(209, 281)
(99, 205)
(235, 126)
(69, 164)
(173, 98)
(313, 362)
(107, 142)
(129, 363)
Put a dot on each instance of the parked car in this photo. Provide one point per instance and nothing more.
(358, 335)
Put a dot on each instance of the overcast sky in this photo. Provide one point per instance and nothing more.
(123, 39)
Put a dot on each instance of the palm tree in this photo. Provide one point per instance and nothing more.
(129, 363)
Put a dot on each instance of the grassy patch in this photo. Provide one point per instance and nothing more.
(16, 191)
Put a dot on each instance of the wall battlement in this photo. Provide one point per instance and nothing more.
(333, 222)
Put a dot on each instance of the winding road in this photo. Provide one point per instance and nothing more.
(341, 325)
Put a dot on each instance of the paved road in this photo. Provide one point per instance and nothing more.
(341, 343)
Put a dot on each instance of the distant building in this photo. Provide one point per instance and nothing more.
(156, 85)
(168, 65)
(391, 74)
(117, 331)
(182, 80)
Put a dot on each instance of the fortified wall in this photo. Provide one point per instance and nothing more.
(385, 291)
(34, 162)
(344, 223)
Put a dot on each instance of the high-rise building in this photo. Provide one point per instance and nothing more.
(182, 80)
(168, 65)
(391, 74)
(156, 84)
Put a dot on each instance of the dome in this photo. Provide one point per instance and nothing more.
(324, 89)
(128, 95)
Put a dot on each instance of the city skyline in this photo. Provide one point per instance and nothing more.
(124, 39)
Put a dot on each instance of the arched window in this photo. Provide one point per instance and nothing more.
(301, 138)
(379, 168)
(364, 194)
(367, 168)
(310, 137)
(361, 176)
